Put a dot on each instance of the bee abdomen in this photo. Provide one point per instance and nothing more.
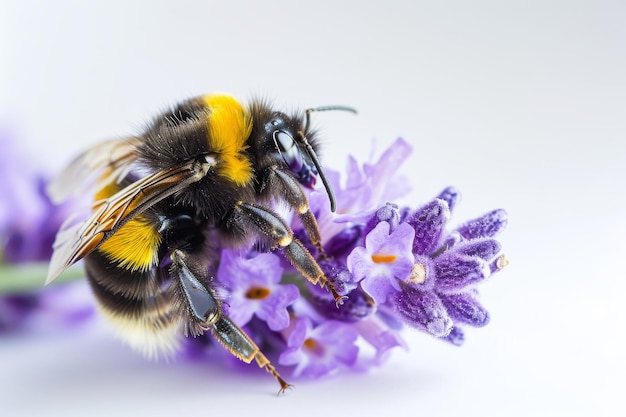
(135, 303)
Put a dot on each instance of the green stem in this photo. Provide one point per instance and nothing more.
(31, 277)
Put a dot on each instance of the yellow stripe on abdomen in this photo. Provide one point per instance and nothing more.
(135, 245)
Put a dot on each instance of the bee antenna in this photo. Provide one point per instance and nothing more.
(320, 170)
(325, 108)
(313, 156)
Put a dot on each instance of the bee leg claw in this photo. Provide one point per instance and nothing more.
(338, 297)
(263, 362)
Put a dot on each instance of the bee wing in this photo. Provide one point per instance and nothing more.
(75, 240)
(113, 158)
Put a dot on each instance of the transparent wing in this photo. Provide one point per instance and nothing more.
(77, 239)
(104, 162)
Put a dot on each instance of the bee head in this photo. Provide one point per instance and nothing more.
(290, 138)
(286, 135)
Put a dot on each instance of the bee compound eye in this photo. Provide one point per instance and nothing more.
(286, 146)
(284, 141)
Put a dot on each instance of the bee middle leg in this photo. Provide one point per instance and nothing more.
(204, 312)
(278, 233)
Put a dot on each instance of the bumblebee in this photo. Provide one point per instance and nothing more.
(205, 172)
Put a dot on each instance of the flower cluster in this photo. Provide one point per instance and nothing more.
(28, 219)
(28, 224)
(396, 265)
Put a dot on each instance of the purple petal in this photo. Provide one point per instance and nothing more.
(385, 259)
(485, 248)
(428, 222)
(15, 309)
(383, 172)
(449, 242)
(341, 337)
(66, 305)
(274, 309)
(451, 196)
(359, 262)
(298, 333)
(294, 355)
(454, 272)
(376, 183)
(28, 229)
(342, 243)
(357, 307)
(487, 225)
(240, 311)
(456, 336)
(397, 241)
(262, 272)
(422, 310)
(338, 274)
(379, 288)
(388, 213)
(380, 337)
(236, 271)
(354, 177)
(464, 309)
(396, 245)
(399, 245)
(319, 350)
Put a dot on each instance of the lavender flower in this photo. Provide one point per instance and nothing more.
(402, 265)
(253, 287)
(47, 310)
(28, 224)
(365, 190)
(28, 219)
(385, 260)
(398, 266)
(437, 293)
(319, 350)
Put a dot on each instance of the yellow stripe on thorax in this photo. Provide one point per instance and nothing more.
(135, 245)
(229, 126)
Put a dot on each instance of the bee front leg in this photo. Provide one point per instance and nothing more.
(295, 197)
(278, 233)
(204, 312)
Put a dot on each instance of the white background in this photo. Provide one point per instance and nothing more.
(520, 105)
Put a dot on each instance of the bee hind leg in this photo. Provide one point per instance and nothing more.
(204, 313)
(241, 346)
